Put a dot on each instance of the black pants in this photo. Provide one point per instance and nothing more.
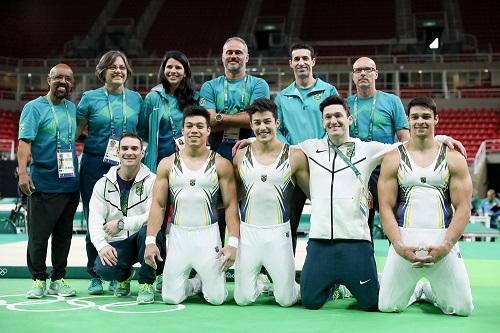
(372, 186)
(350, 263)
(296, 207)
(130, 251)
(50, 214)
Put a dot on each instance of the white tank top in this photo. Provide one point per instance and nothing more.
(424, 196)
(194, 193)
(266, 189)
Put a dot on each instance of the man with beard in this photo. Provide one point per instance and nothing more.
(298, 111)
(226, 97)
(47, 132)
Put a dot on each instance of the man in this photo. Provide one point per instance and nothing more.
(195, 178)
(425, 192)
(47, 132)
(267, 171)
(226, 97)
(339, 249)
(490, 206)
(298, 111)
(377, 116)
(118, 213)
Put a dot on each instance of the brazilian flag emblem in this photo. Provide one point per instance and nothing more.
(139, 190)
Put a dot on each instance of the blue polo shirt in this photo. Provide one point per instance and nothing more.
(388, 118)
(298, 111)
(94, 108)
(240, 94)
(37, 124)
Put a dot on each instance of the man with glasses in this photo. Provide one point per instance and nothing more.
(377, 116)
(47, 133)
(226, 98)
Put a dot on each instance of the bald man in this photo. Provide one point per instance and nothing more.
(377, 116)
(47, 132)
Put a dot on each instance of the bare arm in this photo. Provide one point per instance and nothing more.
(23, 154)
(461, 194)
(300, 170)
(403, 135)
(81, 124)
(227, 186)
(158, 209)
(387, 193)
(236, 164)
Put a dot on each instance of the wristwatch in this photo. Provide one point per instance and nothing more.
(121, 224)
(218, 118)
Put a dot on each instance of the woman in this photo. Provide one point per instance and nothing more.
(107, 112)
(161, 118)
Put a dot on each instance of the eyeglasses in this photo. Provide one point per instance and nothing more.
(62, 77)
(366, 69)
(115, 68)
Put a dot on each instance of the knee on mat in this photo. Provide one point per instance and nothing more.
(390, 307)
(311, 303)
(242, 300)
(463, 310)
(285, 302)
(172, 299)
(216, 299)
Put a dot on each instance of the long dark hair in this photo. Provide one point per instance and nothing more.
(185, 91)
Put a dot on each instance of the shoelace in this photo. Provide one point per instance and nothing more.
(64, 283)
(146, 287)
(96, 282)
(38, 284)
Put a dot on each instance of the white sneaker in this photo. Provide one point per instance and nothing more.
(264, 285)
(195, 284)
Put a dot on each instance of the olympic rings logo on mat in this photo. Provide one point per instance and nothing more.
(52, 303)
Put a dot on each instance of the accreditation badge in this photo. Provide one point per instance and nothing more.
(231, 135)
(180, 143)
(111, 155)
(65, 166)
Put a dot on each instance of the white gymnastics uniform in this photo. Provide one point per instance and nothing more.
(424, 212)
(265, 236)
(194, 238)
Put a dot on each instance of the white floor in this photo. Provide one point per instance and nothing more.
(14, 254)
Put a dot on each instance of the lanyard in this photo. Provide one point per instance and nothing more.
(244, 95)
(372, 113)
(112, 117)
(169, 114)
(344, 158)
(58, 133)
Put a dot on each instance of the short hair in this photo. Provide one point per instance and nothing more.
(107, 61)
(194, 110)
(334, 100)
(262, 105)
(133, 136)
(298, 46)
(239, 39)
(422, 101)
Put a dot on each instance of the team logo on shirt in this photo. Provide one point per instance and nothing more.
(202, 101)
(192, 182)
(287, 234)
(318, 96)
(139, 190)
(263, 178)
(423, 180)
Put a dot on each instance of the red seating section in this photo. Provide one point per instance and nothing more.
(471, 126)
(196, 27)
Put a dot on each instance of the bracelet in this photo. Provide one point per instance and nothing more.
(233, 241)
(150, 240)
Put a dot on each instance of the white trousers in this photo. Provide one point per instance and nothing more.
(448, 277)
(271, 247)
(193, 248)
